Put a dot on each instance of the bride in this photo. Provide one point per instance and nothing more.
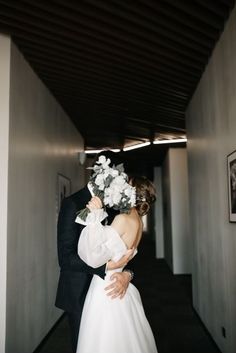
(118, 325)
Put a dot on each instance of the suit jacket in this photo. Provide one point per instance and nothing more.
(75, 274)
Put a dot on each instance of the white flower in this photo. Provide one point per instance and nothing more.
(128, 192)
(119, 180)
(108, 197)
(101, 187)
(114, 172)
(116, 198)
(111, 185)
(101, 160)
(133, 199)
(99, 179)
(105, 175)
(105, 164)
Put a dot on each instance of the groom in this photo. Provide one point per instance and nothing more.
(76, 275)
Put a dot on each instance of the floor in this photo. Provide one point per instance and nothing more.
(168, 306)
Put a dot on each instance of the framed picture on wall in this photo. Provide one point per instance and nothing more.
(231, 166)
(63, 189)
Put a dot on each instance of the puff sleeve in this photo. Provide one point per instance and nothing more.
(97, 243)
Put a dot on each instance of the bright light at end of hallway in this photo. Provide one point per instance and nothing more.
(92, 151)
(133, 147)
(98, 151)
(159, 142)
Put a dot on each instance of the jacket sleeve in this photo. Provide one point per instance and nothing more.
(68, 233)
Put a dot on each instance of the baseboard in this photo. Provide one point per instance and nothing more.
(37, 350)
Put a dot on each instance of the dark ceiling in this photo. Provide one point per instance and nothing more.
(123, 70)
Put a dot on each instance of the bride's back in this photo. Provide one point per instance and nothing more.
(130, 227)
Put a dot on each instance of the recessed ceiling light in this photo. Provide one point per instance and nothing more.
(160, 142)
(98, 151)
(133, 147)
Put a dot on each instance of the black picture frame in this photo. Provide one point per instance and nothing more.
(63, 189)
(231, 172)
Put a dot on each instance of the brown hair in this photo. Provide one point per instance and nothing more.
(145, 194)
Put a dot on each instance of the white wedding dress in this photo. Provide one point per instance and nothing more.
(109, 325)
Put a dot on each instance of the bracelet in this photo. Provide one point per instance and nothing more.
(131, 273)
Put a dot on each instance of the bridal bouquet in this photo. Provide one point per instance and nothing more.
(111, 185)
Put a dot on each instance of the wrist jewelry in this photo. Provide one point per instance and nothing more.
(131, 273)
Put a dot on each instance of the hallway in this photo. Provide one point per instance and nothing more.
(154, 81)
(167, 302)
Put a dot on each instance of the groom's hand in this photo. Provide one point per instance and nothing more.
(119, 285)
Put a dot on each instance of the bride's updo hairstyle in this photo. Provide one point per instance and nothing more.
(145, 194)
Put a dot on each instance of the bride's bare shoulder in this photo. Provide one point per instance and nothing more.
(123, 218)
(120, 219)
(123, 222)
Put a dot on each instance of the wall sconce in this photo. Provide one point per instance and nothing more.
(82, 157)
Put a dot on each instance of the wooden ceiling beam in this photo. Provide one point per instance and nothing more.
(86, 60)
(170, 76)
(137, 52)
(125, 33)
(140, 26)
(144, 79)
(113, 107)
(164, 9)
(140, 67)
(152, 113)
(214, 6)
(140, 79)
(120, 96)
(146, 15)
(119, 91)
(192, 9)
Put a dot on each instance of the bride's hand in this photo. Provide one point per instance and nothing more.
(112, 265)
(94, 204)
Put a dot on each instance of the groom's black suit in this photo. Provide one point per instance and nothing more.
(75, 275)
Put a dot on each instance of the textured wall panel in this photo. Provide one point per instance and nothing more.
(5, 45)
(211, 127)
(43, 142)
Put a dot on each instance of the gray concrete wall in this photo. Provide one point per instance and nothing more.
(158, 214)
(5, 46)
(168, 243)
(42, 142)
(211, 131)
(177, 243)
